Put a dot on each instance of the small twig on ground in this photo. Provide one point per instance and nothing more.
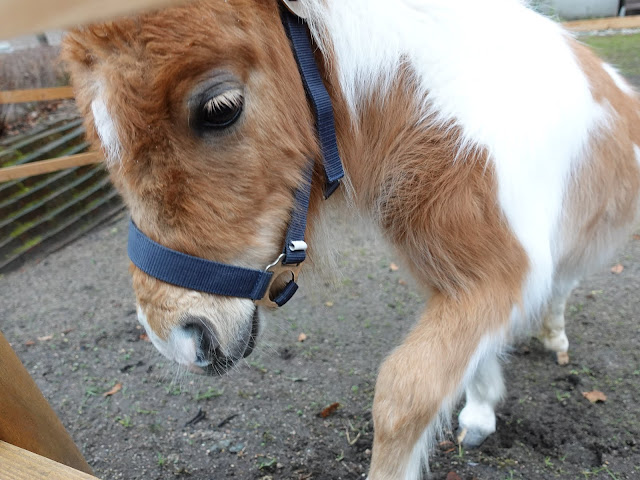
(349, 441)
(227, 420)
(201, 415)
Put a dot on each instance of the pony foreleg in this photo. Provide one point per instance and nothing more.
(423, 377)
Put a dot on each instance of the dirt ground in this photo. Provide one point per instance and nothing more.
(262, 421)
(71, 318)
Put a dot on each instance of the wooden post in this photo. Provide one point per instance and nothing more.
(20, 464)
(19, 17)
(26, 418)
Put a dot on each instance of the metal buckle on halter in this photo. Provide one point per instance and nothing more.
(278, 268)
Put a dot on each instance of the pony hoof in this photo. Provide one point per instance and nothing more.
(471, 438)
(562, 358)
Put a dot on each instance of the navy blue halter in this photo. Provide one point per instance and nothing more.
(196, 273)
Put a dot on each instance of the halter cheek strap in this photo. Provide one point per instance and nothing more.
(203, 275)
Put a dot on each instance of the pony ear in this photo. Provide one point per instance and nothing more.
(296, 7)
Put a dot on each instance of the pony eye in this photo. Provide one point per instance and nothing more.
(221, 111)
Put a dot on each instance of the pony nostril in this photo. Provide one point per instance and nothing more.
(207, 345)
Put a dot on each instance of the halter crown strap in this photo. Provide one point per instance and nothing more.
(298, 34)
(203, 275)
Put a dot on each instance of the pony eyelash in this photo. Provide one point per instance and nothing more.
(228, 99)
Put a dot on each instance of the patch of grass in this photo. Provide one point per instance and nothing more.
(125, 421)
(173, 389)
(146, 412)
(598, 470)
(623, 51)
(584, 370)
(92, 391)
(155, 427)
(267, 464)
(209, 393)
(267, 437)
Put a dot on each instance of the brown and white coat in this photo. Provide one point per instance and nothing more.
(498, 155)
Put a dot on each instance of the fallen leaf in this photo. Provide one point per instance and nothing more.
(636, 236)
(144, 337)
(329, 410)
(45, 338)
(29, 343)
(393, 267)
(68, 330)
(445, 445)
(617, 269)
(402, 282)
(116, 388)
(302, 337)
(453, 476)
(595, 396)
(329, 304)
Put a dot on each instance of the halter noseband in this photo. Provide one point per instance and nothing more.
(196, 273)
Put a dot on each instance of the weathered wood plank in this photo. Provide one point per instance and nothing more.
(20, 464)
(35, 95)
(48, 166)
(18, 17)
(26, 418)
(612, 23)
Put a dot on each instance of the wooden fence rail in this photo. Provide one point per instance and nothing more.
(48, 166)
(20, 17)
(595, 24)
(35, 95)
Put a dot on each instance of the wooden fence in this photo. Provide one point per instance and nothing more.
(50, 165)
